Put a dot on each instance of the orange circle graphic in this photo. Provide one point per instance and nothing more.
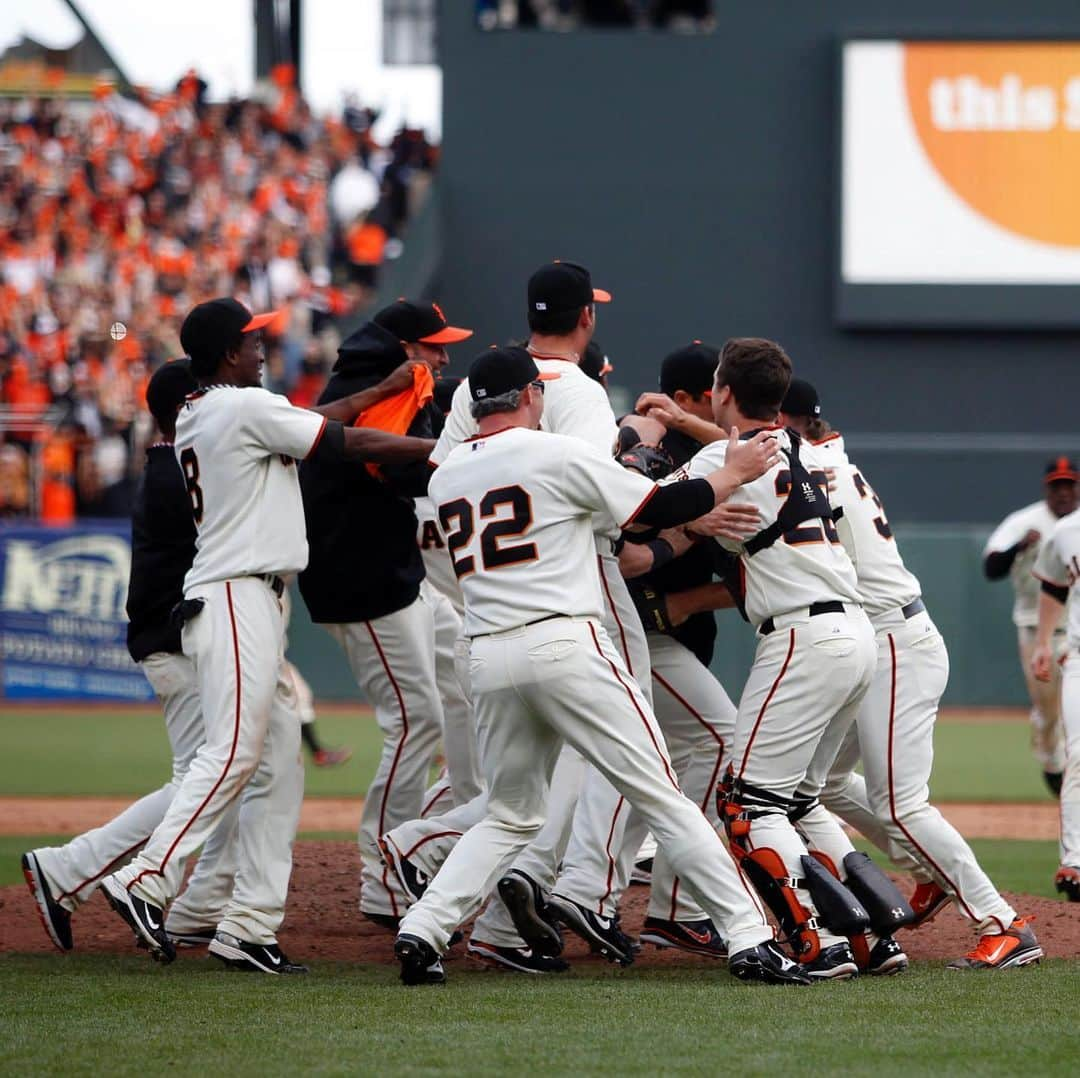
(1001, 124)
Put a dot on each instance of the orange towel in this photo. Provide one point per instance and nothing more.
(395, 414)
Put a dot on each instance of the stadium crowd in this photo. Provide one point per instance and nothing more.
(118, 215)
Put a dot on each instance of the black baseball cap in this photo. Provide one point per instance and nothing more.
(168, 387)
(424, 322)
(563, 286)
(801, 399)
(213, 323)
(501, 370)
(1061, 470)
(691, 369)
(443, 393)
(594, 362)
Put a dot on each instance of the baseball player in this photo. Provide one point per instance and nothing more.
(896, 721)
(1058, 570)
(1011, 551)
(517, 506)
(62, 878)
(813, 665)
(562, 319)
(363, 584)
(237, 446)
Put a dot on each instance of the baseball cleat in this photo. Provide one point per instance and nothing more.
(413, 882)
(642, 871)
(252, 957)
(145, 920)
(835, 963)
(54, 918)
(193, 937)
(531, 914)
(768, 964)
(419, 962)
(522, 959)
(1015, 947)
(602, 934)
(1067, 881)
(331, 757)
(697, 937)
(927, 900)
(886, 958)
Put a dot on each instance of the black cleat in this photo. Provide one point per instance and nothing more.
(602, 934)
(886, 958)
(413, 882)
(145, 920)
(195, 937)
(768, 964)
(531, 914)
(697, 937)
(522, 959)
(419, 962)
(1067, 882)
(252, 957)
(835, 963)
(55, 919)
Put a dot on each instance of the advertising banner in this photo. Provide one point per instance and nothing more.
(960, 163)
(62, 621)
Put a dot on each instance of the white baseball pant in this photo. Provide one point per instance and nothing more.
(252, 752)
(393, 661)
(806, 685)
(1070, 785)
(896, 736)
(697, 719)
(1047, 736)
(534, 687)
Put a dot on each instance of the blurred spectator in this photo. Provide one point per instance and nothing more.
(689, 16)
(118, 215)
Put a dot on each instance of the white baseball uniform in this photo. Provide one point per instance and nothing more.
(811, 670)
(543, 670)
(1059, 564)
(1047, 741)
(238, 449)
(896, 721)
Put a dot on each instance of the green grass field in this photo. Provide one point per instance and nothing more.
(128, 1016)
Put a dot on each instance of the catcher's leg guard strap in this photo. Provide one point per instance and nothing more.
(766, 871)
(887, 908)
(837, 907)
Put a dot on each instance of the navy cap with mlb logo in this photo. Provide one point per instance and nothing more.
(502, 370)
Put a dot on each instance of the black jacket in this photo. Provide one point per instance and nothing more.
(364, 562)
(162, 550)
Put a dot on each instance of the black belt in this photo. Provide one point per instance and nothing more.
(277, 585)
(833, 606)
(916, 606)
(524, 625)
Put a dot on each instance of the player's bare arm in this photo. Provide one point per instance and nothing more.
(700, 600)
(363, 443)
(348, 408)
(661, 407)
(637, 559)
(1051, 605)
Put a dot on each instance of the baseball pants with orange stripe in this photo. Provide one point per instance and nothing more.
(697, 718)
(809, 678)
(535, 687)
(251, 752)
(896, 738)
(393, 661)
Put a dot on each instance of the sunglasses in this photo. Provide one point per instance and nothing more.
(538, 386)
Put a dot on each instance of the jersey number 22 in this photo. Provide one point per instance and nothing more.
(493, 554)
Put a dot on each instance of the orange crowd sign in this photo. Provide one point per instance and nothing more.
(1000, 122)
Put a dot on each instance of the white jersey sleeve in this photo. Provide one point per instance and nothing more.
(280, 427)
(1058, 563)
(594, 481)
(1051, 566)
(1035, 517)
(459, 427)
(576, 406)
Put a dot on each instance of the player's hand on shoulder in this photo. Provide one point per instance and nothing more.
(726, 521)
(748, 460)
(661, 407)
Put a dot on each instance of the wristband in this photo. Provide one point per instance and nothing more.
(662, 552)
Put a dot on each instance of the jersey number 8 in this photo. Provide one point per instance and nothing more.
(493, 555)
(190, 464)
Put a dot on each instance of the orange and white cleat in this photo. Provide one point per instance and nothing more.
(1067, 881)
(1016, 946)
(927, 900)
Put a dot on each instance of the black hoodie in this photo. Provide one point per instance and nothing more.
(364, 562)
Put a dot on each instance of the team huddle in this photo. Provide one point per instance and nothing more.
(521, 579)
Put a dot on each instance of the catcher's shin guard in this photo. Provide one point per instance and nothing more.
(886, 906)
(839, 910)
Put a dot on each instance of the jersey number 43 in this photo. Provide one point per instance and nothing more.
(458, 520)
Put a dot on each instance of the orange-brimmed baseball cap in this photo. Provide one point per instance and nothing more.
(258, 321)
(1061, 470)
(563, 286)
(409, 320)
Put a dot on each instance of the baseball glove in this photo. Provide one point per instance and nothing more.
(650, 460)
(651, 607)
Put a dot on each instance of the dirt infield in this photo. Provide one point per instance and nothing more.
(323, 921)
(72, 815)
